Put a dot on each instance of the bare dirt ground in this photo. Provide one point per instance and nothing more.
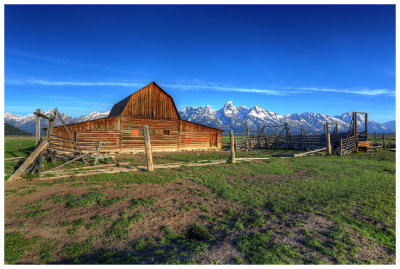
(169, 199)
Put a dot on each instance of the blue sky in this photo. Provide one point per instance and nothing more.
(288, 59)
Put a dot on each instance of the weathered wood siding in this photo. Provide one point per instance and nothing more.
(125, 134)
(105, 124)
(151, 102)
(196, 136)
(106, 130)
(163, 134)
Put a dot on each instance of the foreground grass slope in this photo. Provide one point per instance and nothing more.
(311, 210)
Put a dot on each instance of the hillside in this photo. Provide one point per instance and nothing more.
(10, 130)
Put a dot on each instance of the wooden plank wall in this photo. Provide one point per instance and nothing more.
(150, 102)
(132, 138)
(106, 129)
(110, 140)
(125, 134)
(106, 124)
(196, 136)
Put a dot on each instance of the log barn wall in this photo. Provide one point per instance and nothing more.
(122, 131)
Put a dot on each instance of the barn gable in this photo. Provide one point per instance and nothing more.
(149, 102)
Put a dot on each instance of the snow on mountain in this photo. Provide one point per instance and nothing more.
(230, 117)
(372, 126)
(28, 123)
(391, 124)
(91, 116)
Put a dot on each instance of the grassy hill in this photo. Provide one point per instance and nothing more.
(11, 130)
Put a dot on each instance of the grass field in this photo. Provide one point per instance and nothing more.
(310, 210)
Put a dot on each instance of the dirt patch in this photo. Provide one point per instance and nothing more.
(177, 205)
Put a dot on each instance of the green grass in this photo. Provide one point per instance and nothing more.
(119, 229)
(74, 201)
(15, 246)
(113, 201)
(157, 177)
(336, 187)
(356, 192)
(259, 250)
(18, 146)
(145, 202)
(76, 225)
(47, 249)
(76, 250)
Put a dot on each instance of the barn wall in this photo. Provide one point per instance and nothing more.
(196, 136)
(163, 134)
(151, 102)
(125, 134)
(106, 130)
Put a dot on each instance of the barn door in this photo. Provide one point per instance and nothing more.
(213, 139)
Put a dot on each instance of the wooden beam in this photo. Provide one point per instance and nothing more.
(15, 158)
(233, 159)
(328, 144)
(97, 152)
(50, 127)
(53, 156)
(147, 145)
(309, 152)
(37, 127)
(384, 142)
(69, 133)
(366, 126)
(355, 129)
(29, 161)
(38, 114)
(74, 159)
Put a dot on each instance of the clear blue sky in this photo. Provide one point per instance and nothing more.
(288, 59)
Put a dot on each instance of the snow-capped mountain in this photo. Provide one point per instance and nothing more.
(391, 124)
(91, 116)
(229, 117)
(28, 123)
(236, 118)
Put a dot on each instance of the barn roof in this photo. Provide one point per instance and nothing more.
(119, 107)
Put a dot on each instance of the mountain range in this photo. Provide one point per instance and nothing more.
(229, 117)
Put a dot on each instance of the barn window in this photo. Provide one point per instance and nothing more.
(135, 132)
(166, 132)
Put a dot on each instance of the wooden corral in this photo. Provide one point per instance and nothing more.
(122, 131)
(342, 143)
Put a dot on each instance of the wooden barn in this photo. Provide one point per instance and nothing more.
(122, 130)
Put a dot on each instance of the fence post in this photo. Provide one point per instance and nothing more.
(37, 127)
(384, 142)
(247, 137)
(147, 145)
(328, 144)
(375, 134)
(336, 129)
(302, 137)
(287, 135)
(366, 126)
(276, 131)
(233, 158)
(355, 129)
